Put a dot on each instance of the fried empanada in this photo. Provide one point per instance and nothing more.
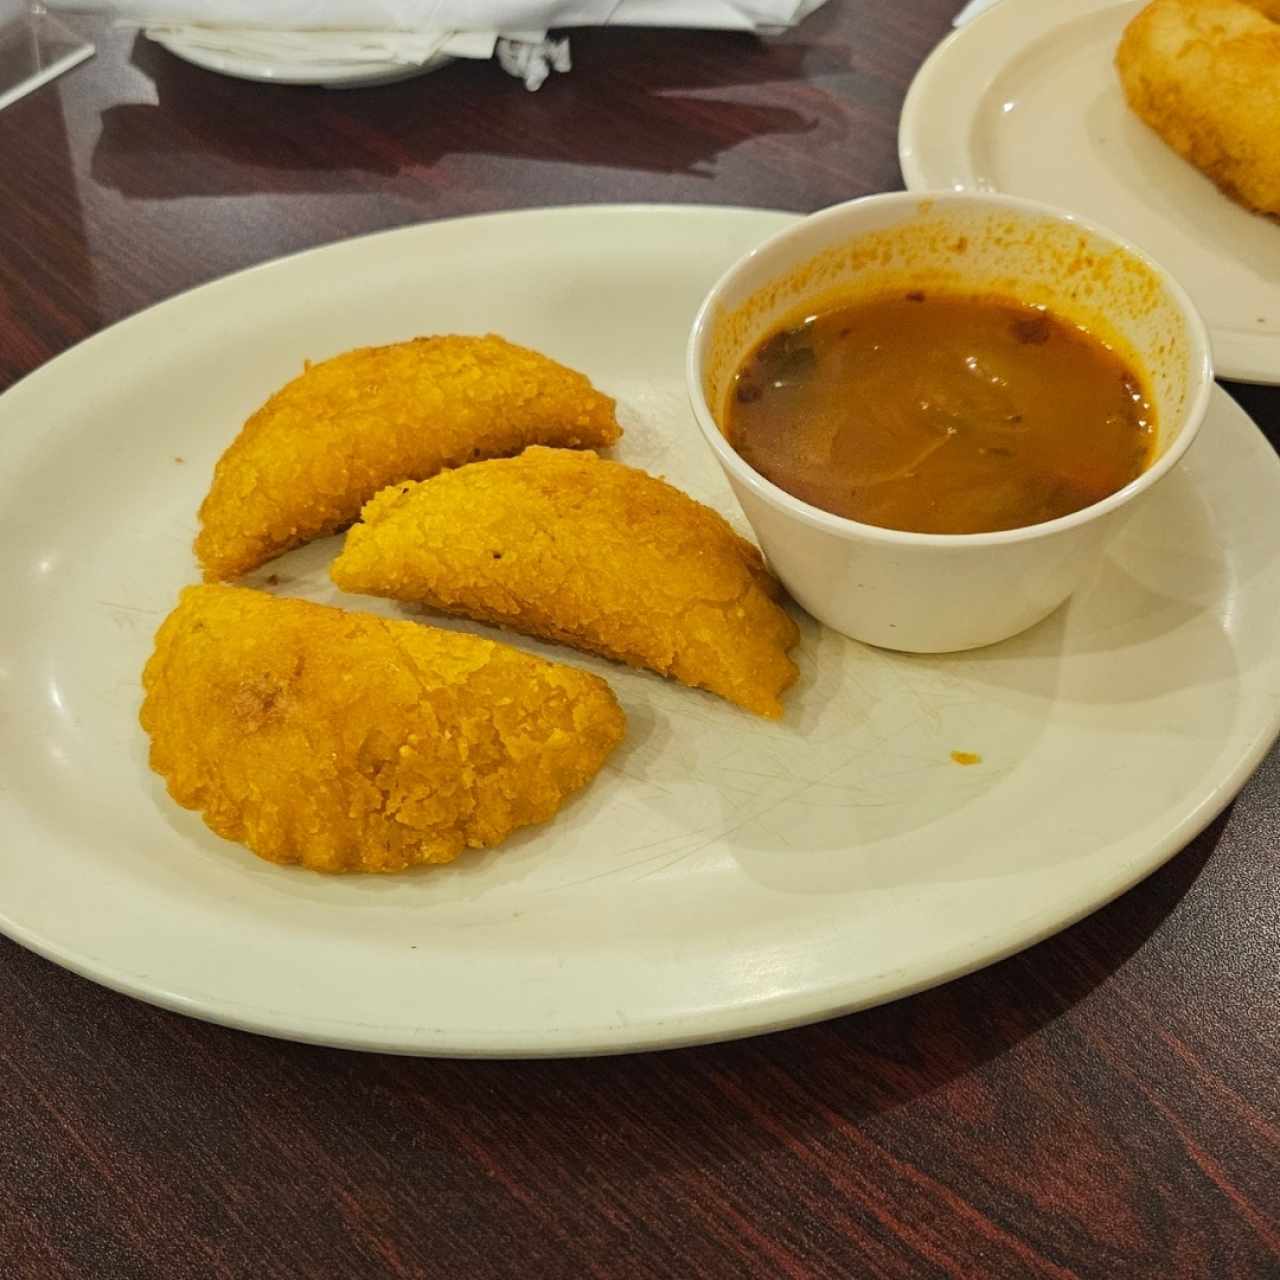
(348, 742)
(569, 547)
(1205, 75)
(323, 445)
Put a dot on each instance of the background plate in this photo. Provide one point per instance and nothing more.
(330, 75)
(1025, 100)
(723, 874)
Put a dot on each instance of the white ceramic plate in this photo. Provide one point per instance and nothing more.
(1025, 100)
(330, 75)
(723, 875)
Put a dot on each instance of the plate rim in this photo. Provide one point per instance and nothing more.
(279, 261)
(988, 42)
(730, 1021)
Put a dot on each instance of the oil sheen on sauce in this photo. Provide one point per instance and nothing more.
(941, 413)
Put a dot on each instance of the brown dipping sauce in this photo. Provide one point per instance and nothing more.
(941, 413)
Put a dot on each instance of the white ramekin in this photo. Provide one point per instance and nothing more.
(932, 593)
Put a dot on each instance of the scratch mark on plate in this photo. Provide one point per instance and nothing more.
(129, 608)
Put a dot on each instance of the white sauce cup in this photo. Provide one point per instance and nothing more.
(923, 592)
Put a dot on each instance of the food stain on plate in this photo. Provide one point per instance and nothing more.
(965, 757)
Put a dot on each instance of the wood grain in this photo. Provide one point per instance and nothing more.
(1105, 1104)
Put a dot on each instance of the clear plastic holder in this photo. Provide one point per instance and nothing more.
(34, 47)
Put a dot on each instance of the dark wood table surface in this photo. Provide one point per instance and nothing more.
(1105, 1104)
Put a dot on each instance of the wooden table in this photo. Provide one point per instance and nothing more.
(1106, 1104)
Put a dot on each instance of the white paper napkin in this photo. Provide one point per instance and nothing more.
(500, 16)
(302, 33)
